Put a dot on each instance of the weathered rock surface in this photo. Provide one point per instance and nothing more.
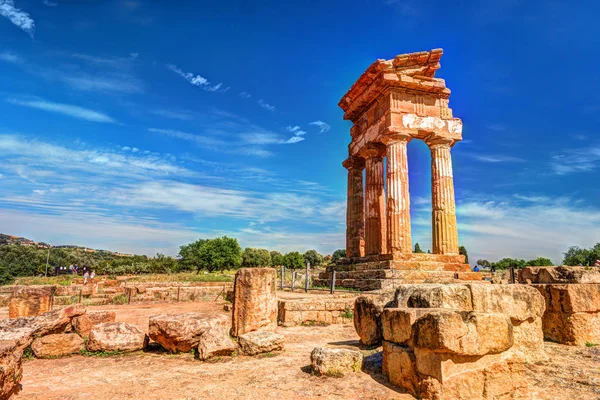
(367, 320)
(258, 342)
(255, 301)
(22, 330)
(84, 323)
(30, 301)
(57, 345)
(116, 336)
(181, 332)
(215, 340)
(561, 274)
(11, 369)
(335, 362)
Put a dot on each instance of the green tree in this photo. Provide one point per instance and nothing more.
(313, 257)
(190, 255)
(463, 251)
(276, 259)
(339, 253)
(540, 262)
(293, 260)
(256, 257)
(506, 263)
(212, 254)
(484, 263)
(418, 248)
(5, 277)
(576, 255)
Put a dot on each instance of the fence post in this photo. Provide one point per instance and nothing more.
(332, 281)
(282, 276)
(512, 274)
(128, 295)
(178, 288)
(293, 280)
(306, 277)
(80, 292)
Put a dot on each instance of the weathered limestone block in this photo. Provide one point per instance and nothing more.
(22, 330)
(57, 345)
(258, 342)
(455, 297)
(396, 323)
(11, 369)
(571, 298)
(215, 341)
(519, 302)
(367, 320)
(399, 365)
(84, 323)
(576, 329)
(30, 301)
(116, 336)
(181, 332)
(464, 333)
(562, 274)
(335, 362)
(255, 300)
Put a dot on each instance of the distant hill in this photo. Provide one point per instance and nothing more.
(17, 240)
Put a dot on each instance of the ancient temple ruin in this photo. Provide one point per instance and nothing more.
(393, 102)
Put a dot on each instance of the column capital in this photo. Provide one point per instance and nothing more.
(372, 150)
(354, 163)
(394, 137)
(434, 141)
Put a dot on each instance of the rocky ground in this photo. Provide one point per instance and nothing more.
(570, 372)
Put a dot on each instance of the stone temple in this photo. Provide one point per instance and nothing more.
(393, 102)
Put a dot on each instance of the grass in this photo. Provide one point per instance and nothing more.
(66, 280)
(312, 322)
(119, 299)
(103, 354)
(62, 280)
(28, 354)
(590, 344)
(348, 313)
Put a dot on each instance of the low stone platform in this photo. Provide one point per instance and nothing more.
(388, 271)
(307, 311)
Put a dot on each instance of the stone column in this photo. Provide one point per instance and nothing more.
(355, 216)
(445, 233)
(398, 197)
(375, 237)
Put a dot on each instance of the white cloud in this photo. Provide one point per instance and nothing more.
(11, 57)
(49, 3)
(496, 158)
(65, 109)
(18, 17)
(197, 80)
(324, 127)
(576, 160)
(496, 127)
(181, 115)
(134, 55)
(245, 95)
(266, 106)
(294, 139)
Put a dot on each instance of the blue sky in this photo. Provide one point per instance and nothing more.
(142, 125)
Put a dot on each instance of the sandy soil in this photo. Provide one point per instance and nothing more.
(570, 372)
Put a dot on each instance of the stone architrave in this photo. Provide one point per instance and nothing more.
(398, 197)
(30, 301)
(444, 230)
(254, 301)
(355, 217)
(375, 223)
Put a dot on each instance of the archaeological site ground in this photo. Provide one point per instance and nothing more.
(380, 323)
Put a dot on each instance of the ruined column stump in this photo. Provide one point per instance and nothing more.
(30, 301)
(254, 301)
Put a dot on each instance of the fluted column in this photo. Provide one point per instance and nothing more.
(355, 216)
(445, 232)
(398, 197)
(375, 224)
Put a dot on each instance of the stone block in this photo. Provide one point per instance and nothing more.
(116, 336)
(367, 320)
(182, 332)
(562, 274)
(396, 323)
(57, 345)
(30, 301)
(11, 369)
(518, 302)
(463, 333)
(215, 341)
(335, 362)
(455, 297)
(571, 298)
(573, 329)
(399, 365)
(84, 323)
(255, 300)
(258, 342)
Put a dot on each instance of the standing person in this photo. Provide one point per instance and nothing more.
(86, 275)
(93, 274)
(597, 263)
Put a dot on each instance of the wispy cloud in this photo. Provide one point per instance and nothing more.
(576, 160)
(11, 57)
(495, 127)
(324, 127)
(65, 109)
(265, 105)
(198, 139)
(181, 115)
(197, 80)
(245, 95)
(297, 132)
(496, 158)
(16, 16)
(49, 3)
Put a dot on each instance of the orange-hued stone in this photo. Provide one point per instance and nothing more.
(254, 301)
(30, 301)
(392, 102)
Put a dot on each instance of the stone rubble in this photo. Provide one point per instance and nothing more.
(30, 301)
(258, 342)
(335, 362)
(83, 324)
(117, 336)
(57, 345)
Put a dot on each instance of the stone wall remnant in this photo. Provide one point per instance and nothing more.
(30, 301)
(254, 301)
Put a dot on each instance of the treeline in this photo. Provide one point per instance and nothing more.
(205, 254)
